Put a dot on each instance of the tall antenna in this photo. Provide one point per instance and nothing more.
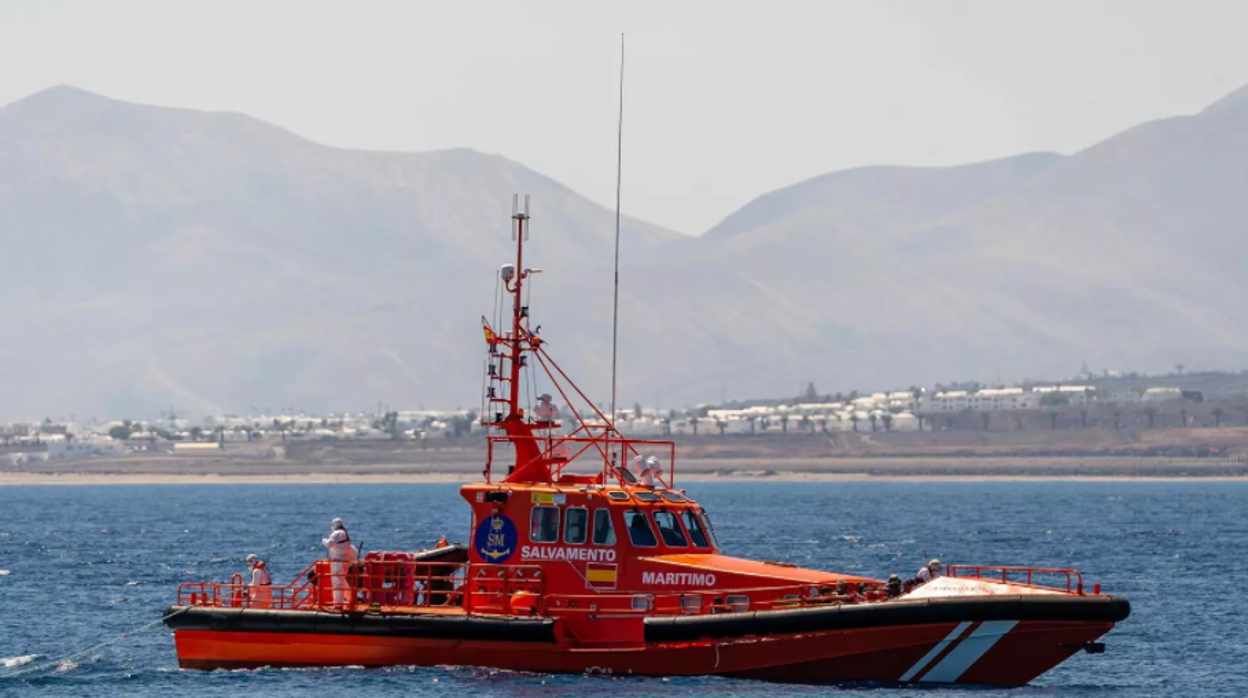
(615, 309)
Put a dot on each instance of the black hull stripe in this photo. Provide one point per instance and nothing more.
(238, 620)
(1093, 609)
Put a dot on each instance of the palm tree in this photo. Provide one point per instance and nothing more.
(784, 422)
(1052, 419)
(1217, 416)
(721, 425)
(807, 424)
(985, 417)
(853, 417)
(1117, 418)
(920, 418)
(1083, 418)
(873, 418)
(888, 422)
(751, 419)
(1151, 413)
(693, 423)
(1184, 413)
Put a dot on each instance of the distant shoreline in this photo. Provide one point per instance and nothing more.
(312, 478)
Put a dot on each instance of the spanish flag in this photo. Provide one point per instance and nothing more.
(490, 336)
(600, 576)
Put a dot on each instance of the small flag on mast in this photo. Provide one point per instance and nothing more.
(490, 336)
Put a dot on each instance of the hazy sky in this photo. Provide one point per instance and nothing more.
(724, 100)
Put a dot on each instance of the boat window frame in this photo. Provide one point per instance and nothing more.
(567, 518)
(710, 528)
(679, 530)
(593, 538)
(558, 522)
(647, 497)
(687, 514)
(628, 526)
(673, 497)
(618, 496)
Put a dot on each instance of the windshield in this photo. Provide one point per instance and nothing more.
(710, 530)
(696, 533)
(544, 526)
(604, 532)
(639, 531)
(574, 525)
(669, 529)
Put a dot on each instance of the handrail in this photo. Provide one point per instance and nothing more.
(382, 585)
(602, 442)
(721, 600)
(1074, 580)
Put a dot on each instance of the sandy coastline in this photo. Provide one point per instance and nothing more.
(312, 478)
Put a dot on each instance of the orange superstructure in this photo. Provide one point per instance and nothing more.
(577, 563)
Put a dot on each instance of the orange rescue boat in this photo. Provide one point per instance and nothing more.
(597, 570)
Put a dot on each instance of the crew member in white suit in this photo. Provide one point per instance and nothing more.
(929, 572)
(259, 589)
(342, 552)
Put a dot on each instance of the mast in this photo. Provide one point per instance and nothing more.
(518, 217)
(619, 169)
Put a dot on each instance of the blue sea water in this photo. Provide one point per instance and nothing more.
(86, 564)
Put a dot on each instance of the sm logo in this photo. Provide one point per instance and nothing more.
(496, 539)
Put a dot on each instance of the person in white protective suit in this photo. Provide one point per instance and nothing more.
(342, 552)
(259, 588)
(928, 572)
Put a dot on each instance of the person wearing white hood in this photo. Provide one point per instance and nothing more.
(929, 572)
(259, 589)
(342, 552)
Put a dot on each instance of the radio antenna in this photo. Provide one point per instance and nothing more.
(615, 309)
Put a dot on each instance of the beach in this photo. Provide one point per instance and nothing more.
(166, 471)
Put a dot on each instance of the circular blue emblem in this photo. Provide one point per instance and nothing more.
(496, 539)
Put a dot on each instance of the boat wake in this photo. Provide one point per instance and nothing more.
(14, 662)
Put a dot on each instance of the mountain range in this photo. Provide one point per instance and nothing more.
(160, 257)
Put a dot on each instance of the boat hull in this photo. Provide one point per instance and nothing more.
(985, 651)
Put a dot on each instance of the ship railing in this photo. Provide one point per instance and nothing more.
(505, 589)
(562, 451)
(700, 602)
(369, 584)
(1035, 577)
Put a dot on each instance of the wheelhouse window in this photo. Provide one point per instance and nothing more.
(646, 496)
(604, 531)
(618, 496)
(669, 529)
(675, 497)
(639, 530)
(706, 525)
(575, 525)
(696, 533)
(544, 524)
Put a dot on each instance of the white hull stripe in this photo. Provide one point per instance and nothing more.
(964, 656)
(935, 651)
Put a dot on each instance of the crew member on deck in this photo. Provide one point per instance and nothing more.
(342, 552)
(894, 586)
(928, 572)
(546, 411)
(259, 592)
